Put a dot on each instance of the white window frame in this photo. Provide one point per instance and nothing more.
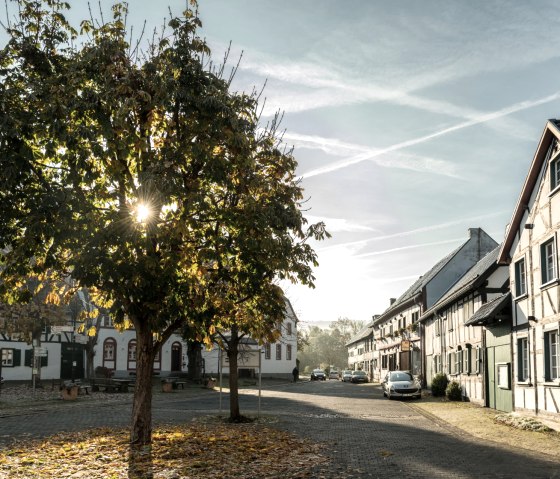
(7, 357)
(555, 173)
(520, 278)
(552, 355)
(548, 261)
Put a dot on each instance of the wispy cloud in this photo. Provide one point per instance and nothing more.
(403, 248)
(523, 105)
(416, 231)
(339, 225)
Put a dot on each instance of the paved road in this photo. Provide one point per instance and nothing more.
(365, 434)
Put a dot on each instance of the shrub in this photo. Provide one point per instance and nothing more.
(453, 391)
(439, 383)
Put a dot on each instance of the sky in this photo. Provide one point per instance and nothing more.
(411, 122)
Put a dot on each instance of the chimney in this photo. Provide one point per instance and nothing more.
(474, 232)
(392, 301)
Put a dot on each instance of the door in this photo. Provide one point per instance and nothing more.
(498, 372)
(176, 357)
(404, 361)
(490, 378)
(72, 361)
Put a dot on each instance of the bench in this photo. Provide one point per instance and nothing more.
(110, 385)
(175, 382)
(82, 388)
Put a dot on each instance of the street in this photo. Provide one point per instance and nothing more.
(363, 433)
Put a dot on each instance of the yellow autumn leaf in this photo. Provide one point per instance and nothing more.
(91, 331)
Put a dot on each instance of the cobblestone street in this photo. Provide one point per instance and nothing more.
(364, 434)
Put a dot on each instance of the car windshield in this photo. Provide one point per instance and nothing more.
(400, 377)
(347, 372)
(318, 371)
(359, 373)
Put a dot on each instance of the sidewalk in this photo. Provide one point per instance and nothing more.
(467, 418)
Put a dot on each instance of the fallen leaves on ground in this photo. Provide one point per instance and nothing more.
(178, 451)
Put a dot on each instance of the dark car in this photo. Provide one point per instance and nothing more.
(359, 377)
(401, 384)
(318, 374)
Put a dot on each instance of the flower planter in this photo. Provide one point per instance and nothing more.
(167, 387)
(70, 393)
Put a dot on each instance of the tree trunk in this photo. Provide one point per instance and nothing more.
(141, 429)
(194, 355)
(233, 347)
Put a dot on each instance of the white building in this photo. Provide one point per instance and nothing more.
(530, 249)
(63, 356)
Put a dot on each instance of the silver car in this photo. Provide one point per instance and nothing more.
(346, 375)
(401, 384)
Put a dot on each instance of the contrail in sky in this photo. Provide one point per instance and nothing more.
(414, 231)
(401, 248)
(405, 144)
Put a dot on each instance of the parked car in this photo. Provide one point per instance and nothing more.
(318, 374)
(359, 377)
(333, 374)
(346, 375)
(401, 384)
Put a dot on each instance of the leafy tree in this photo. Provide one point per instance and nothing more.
(326, 347)
(140, 175)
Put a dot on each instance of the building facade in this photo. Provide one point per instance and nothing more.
(397, 331)
(456, 346)
(530, 250)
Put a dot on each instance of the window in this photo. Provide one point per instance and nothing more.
(437, 364)
(8, 358)
(132, 350)
(522, 360)
(477, 360)
(520, 279)
(289, 329)
(451, 362)
(278, 351)
(110, 353)
(415, 316)
(384, 361)
(459, 361)
(548, 262)
(267, 351)
(289, 352)
(131, 363)
(467, 361)
(109, 347)
(554, 174)
(552, 356)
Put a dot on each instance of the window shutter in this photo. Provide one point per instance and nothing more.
(547, 358)
(17, 357)
(28, 357)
